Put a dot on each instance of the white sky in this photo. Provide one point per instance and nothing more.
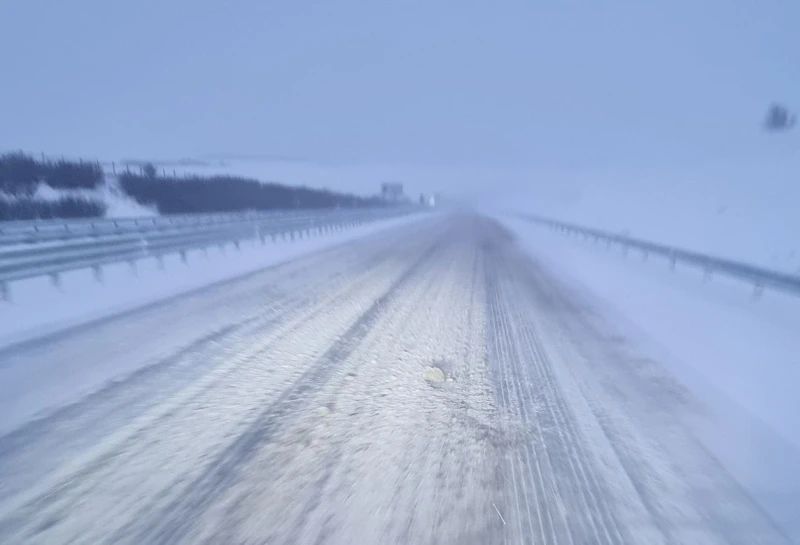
(461, 85)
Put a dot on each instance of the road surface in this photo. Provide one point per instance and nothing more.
(429, 384)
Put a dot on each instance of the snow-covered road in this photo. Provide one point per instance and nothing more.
(427, 384)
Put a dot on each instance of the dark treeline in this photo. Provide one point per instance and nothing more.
(229, 193)
(21, 174)
(24, 208)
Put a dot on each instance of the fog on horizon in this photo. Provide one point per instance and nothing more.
(471, 93)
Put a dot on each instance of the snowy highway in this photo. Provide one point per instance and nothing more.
(426, 384)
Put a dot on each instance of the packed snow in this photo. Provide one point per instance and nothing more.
(427, 383)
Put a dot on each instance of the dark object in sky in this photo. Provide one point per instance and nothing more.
(779, 118)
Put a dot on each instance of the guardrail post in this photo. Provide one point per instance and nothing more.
(184, 258)
(672, 261)
(5, 292)
(55, 279)
(645, 255)
(237, 245)
(134, 269)
(97, 272)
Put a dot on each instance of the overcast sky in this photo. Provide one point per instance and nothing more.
(469, 83)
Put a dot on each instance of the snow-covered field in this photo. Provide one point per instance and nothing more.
(740, 209)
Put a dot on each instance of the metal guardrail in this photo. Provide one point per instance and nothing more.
(35, 231)
(759, 277)
(21, 261)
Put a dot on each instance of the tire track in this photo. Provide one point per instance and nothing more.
(107, 406)
(77, 479)
(499, 352)
(316, 480)
(53, 491)
(568, 501)
(176, 519)
(626, 466)
(717, 511)
(640, 410)
(333, 461)
(312, 422)
(602, 521)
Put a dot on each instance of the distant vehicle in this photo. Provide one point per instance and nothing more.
(779, 118)
(427, 200)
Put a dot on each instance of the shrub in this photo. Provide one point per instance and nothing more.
(28, 209)
(149, 170)
(227, 194)
(71, 175)
(19, 173)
